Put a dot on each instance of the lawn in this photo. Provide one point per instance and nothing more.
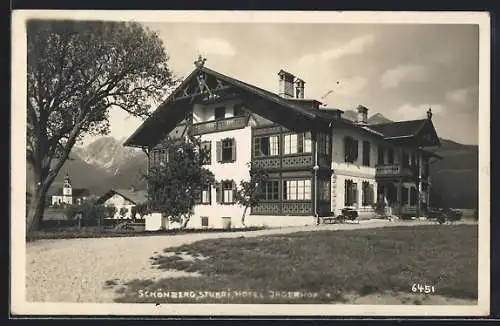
(330, 264)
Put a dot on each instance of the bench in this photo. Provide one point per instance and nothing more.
(329, 220)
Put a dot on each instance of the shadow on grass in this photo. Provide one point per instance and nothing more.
(320, 266)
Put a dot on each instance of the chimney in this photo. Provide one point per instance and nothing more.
(132, 188)
(362, 115)
(299, 88)
(429, 114)
(285, 84)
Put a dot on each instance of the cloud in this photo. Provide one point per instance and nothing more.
(215, 46)
(354, 46)
(411, 111)
(460, 96)
(403, 73)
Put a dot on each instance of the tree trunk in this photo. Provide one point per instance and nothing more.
(35, 211)
(38, 187)
(185, 221)
(243, 216)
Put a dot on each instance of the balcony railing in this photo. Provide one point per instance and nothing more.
(392, 170)
(219, 125)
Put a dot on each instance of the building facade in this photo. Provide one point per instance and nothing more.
(123, 200)
(67, 195)
(318, 161)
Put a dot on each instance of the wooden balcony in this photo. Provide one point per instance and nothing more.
(285, 162)
(392, 170)
(220, 125)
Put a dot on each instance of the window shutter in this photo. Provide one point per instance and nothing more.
(233, 150)
(233, 185)
(354, 192)
(346, 150)
(363, 193)
(218, 192)
(356, 149)
(219, 151)
(346, 192)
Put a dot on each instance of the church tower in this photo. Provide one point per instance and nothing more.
(67, 191)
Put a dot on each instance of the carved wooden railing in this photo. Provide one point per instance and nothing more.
(287, 162)
(392, 170)
(285, 208)
(219, 125)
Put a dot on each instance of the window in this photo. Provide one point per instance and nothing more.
(227, 188)
(366, 153)
(226, 150)
(297, 143)
(324, 190)
(203, 195)
(297, 190)
(406, 159)
(219, 112)
(390, 156)
(380, 159)
(224, 192)
(350, 149)
(290, 144)
(404, 193)
(307, 142)
(323, 144)
(351, 193)
(266, 146)
(413, 196)
(158, 157)
(367, 193)
(204, 221)
(271, 190)
(238, 110)
(206, 197)
(414, 159)
(206, 152)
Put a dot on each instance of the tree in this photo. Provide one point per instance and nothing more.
(110, 211)
(174, 185)
(77, 72)
(250, 192)
(141, 209)
(123, 212)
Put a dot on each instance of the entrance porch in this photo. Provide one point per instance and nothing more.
(402, 198)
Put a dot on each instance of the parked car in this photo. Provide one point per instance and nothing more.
(444, 214)
(347, 214)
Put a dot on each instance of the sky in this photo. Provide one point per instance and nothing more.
(398, 70)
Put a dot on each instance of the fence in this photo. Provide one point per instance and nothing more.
(47, 224)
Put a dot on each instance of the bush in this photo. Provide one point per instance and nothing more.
(123, 212)
(88, 211)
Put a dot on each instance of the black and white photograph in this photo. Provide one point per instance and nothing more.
(250, 163)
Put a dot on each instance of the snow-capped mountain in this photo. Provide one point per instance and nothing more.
(107, 153)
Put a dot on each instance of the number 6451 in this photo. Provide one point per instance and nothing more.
(421, 288)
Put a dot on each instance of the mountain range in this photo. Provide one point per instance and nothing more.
(106, 163)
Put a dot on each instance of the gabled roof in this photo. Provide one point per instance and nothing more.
(173, 109)
(400, 129)
(421, 130)
(134, 196)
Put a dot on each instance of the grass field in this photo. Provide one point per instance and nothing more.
(329, 263)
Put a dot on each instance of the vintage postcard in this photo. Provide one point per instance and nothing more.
(250, 163)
